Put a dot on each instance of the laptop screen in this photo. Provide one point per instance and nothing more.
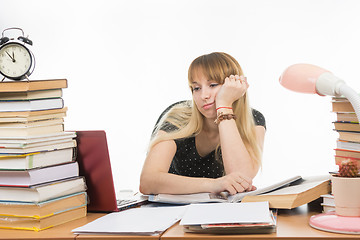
(94, 165)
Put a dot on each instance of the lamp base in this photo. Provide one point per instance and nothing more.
(331, 222)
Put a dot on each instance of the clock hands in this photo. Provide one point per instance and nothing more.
(9, 55)
(12, 57)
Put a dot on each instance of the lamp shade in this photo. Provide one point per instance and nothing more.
(307, 78)
(301, 77)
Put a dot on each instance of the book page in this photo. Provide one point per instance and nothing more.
(239, 196)
(296, 189)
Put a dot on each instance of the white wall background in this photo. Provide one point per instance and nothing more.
(126, 61)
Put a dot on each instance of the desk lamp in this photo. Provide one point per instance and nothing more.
(307, 78)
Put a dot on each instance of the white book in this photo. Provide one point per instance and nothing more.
(328, 199)
(30, 142)
(354, 146)
(36, 160)
(36, 138)
(38, 175)
(31, 105)
(31, 131)
(40, 147)
(43, 192)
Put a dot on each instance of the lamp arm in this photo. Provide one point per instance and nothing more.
(353, 98)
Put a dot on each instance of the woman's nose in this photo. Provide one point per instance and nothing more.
(205, 94)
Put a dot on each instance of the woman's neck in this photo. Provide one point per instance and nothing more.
(210, 127)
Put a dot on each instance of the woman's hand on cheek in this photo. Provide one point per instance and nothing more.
(234, 87)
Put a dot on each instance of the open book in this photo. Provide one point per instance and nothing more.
(307, 190)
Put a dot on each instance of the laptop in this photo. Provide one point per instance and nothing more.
(94, 165)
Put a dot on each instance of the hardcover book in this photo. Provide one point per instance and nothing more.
(23, 86)
(43, 192)
(42, 209)
(36, 176)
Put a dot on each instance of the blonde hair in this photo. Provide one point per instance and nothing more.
(188, 119)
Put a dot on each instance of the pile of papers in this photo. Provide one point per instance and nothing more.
(229, 218)
(135, 221)
(208, 218)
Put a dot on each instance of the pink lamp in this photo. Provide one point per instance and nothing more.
(307, 78)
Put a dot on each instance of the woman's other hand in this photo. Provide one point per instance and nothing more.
(233, 183)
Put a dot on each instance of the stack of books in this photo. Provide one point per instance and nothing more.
(348, 142)
(348, 128)
(40, 186)
(328, 203)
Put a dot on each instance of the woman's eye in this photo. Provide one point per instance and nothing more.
(196, 89)
(214, 84)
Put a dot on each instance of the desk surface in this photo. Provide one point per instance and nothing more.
(291, 224)
(58, 233)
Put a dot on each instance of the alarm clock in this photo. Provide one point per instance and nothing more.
(17, 62)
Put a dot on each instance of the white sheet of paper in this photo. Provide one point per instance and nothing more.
(213, 213)
(137, 221)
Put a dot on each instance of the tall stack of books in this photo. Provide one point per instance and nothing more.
(40, 186)
(347, 126)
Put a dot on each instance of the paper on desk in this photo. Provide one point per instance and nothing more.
(137, 221)
(215, 213)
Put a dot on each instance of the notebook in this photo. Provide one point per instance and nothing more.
(94, 165)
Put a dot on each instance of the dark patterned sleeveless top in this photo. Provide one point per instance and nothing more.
(188, 162)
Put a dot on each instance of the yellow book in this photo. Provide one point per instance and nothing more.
(41, 94)
(42, 209)
(26, 116)
(38, 224)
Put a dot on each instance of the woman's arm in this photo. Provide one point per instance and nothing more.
(155, 178)
(236, 157)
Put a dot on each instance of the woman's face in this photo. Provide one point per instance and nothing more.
(204, 94)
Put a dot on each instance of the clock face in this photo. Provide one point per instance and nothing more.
(15, 61)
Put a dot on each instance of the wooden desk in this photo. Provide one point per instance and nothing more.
(63, 232)
(291, 224)
(60, 232)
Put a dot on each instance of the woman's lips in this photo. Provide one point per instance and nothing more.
(209, 105)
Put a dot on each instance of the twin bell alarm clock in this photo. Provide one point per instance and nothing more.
(17, 62)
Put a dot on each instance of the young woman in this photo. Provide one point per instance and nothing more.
(212, 144)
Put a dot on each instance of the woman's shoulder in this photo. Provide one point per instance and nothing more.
(259, 118)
